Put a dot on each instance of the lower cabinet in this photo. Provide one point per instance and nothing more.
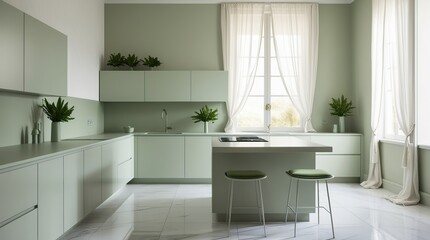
(198, 157)
(50, 199)
(23, 228)
(161, 157)
(73, 189)
(92, 178)
(125, 172)
(109, 171)
(344, 160)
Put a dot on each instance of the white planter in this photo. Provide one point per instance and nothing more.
(341, 124)
(55, 131)
(206, 127)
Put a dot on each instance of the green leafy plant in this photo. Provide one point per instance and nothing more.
(151, 62)
(116, 60)
(131, 61)
(59, 112)
(341, 107)
(205, 114)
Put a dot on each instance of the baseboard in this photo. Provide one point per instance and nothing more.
(345, 180)
(425, 199)
(391, 186)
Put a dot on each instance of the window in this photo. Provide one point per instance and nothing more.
(268, 107)
(391, 126)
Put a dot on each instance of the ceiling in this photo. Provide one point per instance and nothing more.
(223, 1)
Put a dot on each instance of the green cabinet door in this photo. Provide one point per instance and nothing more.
(45, 59)
(209, 86)
(167, 86)
(160, 157)
(122, 86)
(11, 48)
(198, 157)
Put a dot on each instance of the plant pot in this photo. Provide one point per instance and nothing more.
(56, 131)
(341, 124)
(206, 127)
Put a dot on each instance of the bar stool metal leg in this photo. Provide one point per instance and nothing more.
(318, 199)
(230, 206)
(258, 200)
(288, 200)
(329, 207)
(262, 207)
(297, 206)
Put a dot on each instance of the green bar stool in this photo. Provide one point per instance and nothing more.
(309, 175)
(246, 176)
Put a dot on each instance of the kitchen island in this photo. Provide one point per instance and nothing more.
(274, 157)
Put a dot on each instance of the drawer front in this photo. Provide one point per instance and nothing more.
(23, 228)
(339, 165)
(125, 172)
(340, 144)
(18, 191)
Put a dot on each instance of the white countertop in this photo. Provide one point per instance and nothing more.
(275, 144)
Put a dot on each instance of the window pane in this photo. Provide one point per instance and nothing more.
(252, 114)
(258, 87)
(277, 87)
(284, 115)
(274, 69)
(260, 67)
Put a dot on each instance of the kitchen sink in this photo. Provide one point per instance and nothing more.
(162, 133)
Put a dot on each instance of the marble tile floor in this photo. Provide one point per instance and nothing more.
(183, 211)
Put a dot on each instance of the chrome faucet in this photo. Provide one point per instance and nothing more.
(166, 120)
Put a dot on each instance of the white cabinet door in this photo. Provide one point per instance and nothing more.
(341, 144)
(45, 59)
(209, 86)
(109, 170)
(125, 172)
(50, 199)
(160, 157)
(198, 157)
(73, 189)
(23, 228)
(11, 47)
(92, 178)
(122, 86)
(167, 86)
(18, 191)
(339, 165)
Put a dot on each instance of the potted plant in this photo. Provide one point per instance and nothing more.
(57, 113)
(116, 60)
(151, 62)
(131, 61)
(342, 108)
(205, 115)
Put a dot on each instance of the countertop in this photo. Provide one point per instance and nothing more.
(22, 154)
(275, 144)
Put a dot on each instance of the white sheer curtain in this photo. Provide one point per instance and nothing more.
(402, 12)
(295, 33)
(242, 30)
(374, 177)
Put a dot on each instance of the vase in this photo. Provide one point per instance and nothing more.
(206, 127)
(56, 131)
(342, 124)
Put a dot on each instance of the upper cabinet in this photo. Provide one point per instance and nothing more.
(167, 86)
(34, 55)
(209, 86)
(163, 86)
(45, 59)
(11, 48)
(122, 86)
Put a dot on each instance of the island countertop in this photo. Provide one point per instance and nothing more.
(274, 144)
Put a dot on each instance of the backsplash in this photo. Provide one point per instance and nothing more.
(19, 111)
(146, 117)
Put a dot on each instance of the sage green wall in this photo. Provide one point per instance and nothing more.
(361, 14)
(182, 36)
(188, 37)
(334, 64)
(424, 176)
(18, 111)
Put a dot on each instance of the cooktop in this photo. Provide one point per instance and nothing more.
(242, 139)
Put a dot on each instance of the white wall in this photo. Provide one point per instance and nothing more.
(83, 23)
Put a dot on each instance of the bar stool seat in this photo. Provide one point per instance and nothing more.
(309, 175)
(246, 176)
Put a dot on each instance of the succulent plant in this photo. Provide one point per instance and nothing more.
(151, 62)
(59, 112)
(131, 61)
(205, 114)
(341, 107)
(116, 60)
